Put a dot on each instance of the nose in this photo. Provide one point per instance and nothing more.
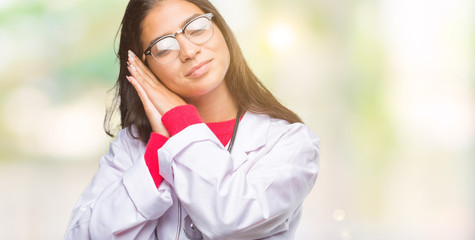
(188, 50)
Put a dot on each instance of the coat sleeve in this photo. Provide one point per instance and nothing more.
(253, 200)
(122, 201)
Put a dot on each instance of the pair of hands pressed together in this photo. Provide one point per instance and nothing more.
(155, 97)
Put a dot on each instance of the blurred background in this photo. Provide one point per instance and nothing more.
(388, 85)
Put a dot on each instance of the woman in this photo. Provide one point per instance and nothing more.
(206, 151)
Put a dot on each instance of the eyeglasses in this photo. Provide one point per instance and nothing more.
(166, 49)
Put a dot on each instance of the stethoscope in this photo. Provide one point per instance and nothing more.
(191, 231)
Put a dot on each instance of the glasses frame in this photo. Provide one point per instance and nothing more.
(148, 51)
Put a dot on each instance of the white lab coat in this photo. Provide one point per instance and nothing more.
(253, 193)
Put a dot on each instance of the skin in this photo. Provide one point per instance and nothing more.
(205, 89)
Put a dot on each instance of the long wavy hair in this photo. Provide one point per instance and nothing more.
(249, 93)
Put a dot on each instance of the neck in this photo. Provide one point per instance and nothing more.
(216, 106)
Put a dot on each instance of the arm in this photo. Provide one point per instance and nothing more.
(122, 201)
(126, 197)
(250, 201)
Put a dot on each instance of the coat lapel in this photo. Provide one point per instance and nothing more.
(251, 135)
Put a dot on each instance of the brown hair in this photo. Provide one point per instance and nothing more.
(249, 93)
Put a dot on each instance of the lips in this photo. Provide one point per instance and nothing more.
(199, 69)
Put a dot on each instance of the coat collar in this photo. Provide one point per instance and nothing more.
(252, 132)
(251, 135)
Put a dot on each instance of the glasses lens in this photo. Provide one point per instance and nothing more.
(165, 50)
(199, 31)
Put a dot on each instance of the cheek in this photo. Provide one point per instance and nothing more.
(166, 74)
(223, 51)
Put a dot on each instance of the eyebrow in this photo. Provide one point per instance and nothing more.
(182, 24)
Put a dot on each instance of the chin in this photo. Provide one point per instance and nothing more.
(196, 93)
(200, 91)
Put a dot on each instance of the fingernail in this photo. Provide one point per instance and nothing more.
(128, 79)
(131, 56)
(132, 68)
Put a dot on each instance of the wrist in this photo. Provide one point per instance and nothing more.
(178, 118)
(160, 129)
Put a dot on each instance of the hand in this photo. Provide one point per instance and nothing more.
(155, 97)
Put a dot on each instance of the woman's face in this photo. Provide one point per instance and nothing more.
(198, 69)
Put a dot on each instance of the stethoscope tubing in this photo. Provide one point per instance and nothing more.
(179, 221)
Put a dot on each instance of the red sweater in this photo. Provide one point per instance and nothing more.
(174, 121)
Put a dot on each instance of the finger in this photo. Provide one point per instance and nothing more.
(140, 68)
(140, 90)
(147, 86)
(148, 106)
(136, 72)
(146, 78)
(140, 65)
(148, 83)
(162, 98)
(153, 115)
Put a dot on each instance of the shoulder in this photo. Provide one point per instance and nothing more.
(128, 141)
(296, 130)
(293, 134)
(281, 130)
(286, 142)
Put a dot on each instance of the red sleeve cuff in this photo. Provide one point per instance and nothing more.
(155, 142)
(178, 118)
